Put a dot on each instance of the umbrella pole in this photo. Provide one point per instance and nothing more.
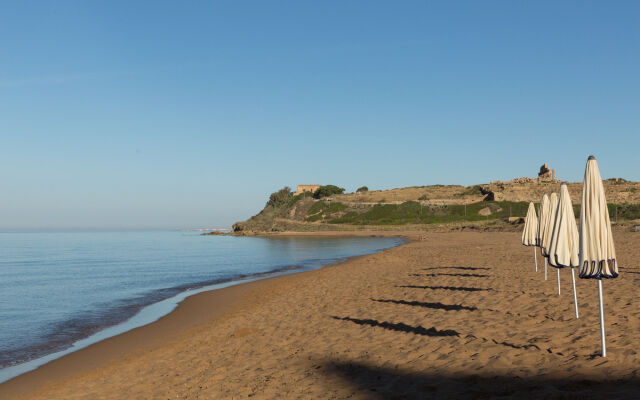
(604, 346)
(545, 268)
(558, 269)
(535, 257)
(575, 295)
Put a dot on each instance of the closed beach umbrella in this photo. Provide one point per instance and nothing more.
(548, 227)
(597, 254)
(530, 232)
(544, 211)
(563, 250)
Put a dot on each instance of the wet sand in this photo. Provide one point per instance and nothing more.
(447, 315)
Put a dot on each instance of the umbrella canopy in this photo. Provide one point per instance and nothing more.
(563, 247)
(597, 254)
(563, 250)
(530, 232)
(550, 218)
(544, 211)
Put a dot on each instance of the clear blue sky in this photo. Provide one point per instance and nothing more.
(123, 114)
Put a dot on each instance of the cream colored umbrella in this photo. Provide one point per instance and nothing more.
(530, 232)
(544, 211)
(563, 250)
(597, 254)
(548, 228)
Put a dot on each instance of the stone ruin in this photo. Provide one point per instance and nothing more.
(546, 174)
(306, 188)
(524, 179)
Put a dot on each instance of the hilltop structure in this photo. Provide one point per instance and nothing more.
(306, 188)
(546, 174)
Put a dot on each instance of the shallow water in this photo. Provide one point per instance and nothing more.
(57, 288)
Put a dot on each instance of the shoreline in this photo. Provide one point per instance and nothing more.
(451, 315)
(184, 315)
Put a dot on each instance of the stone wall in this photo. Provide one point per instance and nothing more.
(306, 188)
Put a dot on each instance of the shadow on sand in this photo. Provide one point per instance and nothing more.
(374, 382)
(462, 268)
(452, 274)
(400, 327)
(435, 306)
(458, 288)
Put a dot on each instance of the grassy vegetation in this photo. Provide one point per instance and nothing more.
(285, 211)
(475, 190)
(411, 212)
(317, 207)
(314, 218)
(617, 212)
(616, 181)
(320, 209)
(624, 212)
(302, 195)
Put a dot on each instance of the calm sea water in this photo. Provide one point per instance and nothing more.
(59, 287)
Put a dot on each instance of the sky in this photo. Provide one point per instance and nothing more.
(169, 114)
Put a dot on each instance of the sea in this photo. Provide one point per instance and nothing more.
(61, 291)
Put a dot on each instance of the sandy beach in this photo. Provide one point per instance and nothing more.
(447, 315)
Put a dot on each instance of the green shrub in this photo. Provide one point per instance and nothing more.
(327, 190)
(304, 195)
(362, 189)
(280, 198)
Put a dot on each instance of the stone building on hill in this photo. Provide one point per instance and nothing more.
(306, 188)
(546, 174)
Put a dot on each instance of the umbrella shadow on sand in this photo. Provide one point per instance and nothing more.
(386, 383)
(400, 327)
(454, 274)
(434, 306)
(462, 268)
(455, 288)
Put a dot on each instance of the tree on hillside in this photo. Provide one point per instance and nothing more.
(281, 197)
(327, 190)
(362, 189)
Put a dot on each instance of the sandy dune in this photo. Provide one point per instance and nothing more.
(452, 315)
